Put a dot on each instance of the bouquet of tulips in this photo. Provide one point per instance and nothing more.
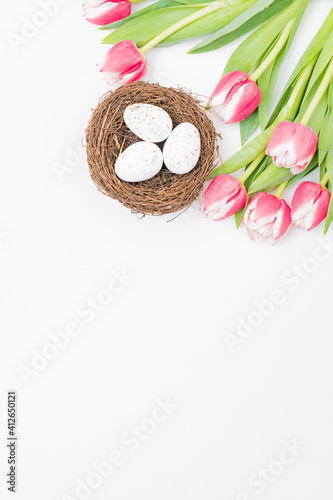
(286, 149)
(168, 22)
(284, 152)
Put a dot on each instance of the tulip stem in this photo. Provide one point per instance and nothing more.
(274, 52)
(324, 180)
(281, 188)
(319, 94)
(212, 7)
(136, 1)
(251, 167)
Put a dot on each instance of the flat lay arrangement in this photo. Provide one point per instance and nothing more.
(166, 244)
(294, 138)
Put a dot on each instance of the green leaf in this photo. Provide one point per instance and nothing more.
(149, 25)
(300, 81)
(273, 176)
(302, 8)
(264, 83)
(330, 96)
(315, 47)
(322, 62)
(309, 57)
(259, 170)
(329, 167)
(326, 131)
(240, 214)
(161, 4)
(139, 13)
(247, 26)
(248, 126)
(244, 58)
(212, 42)
(318, 115)
(205, 25)
(329, 164)
(261, 167)
(190, 2)
(325, 136)
(267, 81)
(329, 216)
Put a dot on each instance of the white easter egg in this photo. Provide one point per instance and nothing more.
(148, 122)
(139, 162)
(181, 151)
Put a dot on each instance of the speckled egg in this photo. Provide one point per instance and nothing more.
(139, 162)
(148, 122)
(181, 151)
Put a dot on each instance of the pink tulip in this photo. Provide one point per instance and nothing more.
(235, 97)
(123, 63)
(224, 196)
(293, 146)
(106, 11)
(267, 217)
(309, 206)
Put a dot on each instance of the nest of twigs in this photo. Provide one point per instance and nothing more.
(107, 136)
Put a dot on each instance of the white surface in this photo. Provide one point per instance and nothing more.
(164, 335)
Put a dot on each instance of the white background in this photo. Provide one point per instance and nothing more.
(164, 335)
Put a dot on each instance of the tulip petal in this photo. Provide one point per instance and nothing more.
(283, 221)
(242, 102)
(292, 145)
(235, 97)
(267, 217)
(224, 197)
(108, 12)
(309, 205)
(267, 208)
(116, 80)
(225, 85)
(123, 63)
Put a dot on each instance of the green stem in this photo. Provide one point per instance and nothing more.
(212, 7)
(324, 180)
(136, 1)
(274, 52)
(319, 94)
(281, 188)
(252, 167)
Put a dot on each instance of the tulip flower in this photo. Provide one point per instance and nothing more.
(266, 216)
(224, 196)
(309, 205)
(292, 145)
(102, 12)
(123, 63)
(235, 97)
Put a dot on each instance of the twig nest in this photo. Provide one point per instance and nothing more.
(107, 136)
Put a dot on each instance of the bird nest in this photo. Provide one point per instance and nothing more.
(107, 136)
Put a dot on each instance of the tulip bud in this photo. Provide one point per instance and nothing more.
(235, 97)
(293, 146)
(224, 196)
(105, 12)
(266, 216)
(309, 206)
(123, 63)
